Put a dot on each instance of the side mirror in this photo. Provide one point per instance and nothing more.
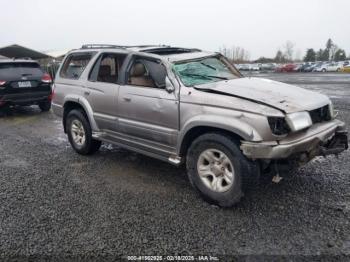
(169, 86)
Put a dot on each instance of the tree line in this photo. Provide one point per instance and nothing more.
(286, 54)
(331, 53)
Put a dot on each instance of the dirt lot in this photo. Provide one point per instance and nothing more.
(55, 203)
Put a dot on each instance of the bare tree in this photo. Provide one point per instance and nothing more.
(225, 51)
(236, 54)
(333, 49)
(297, 56)
(289, 50)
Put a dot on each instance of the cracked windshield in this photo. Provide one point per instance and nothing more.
(203, 71)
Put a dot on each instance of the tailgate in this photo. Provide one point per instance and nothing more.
(22, 77)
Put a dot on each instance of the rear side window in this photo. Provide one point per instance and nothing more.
(107, 68)
(75, 64)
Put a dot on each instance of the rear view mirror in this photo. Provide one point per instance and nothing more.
(169, 86)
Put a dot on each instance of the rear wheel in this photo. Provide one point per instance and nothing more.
(80, 134)
(217, 169)
(45, 106)
(323, 70)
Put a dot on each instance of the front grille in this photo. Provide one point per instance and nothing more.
(320, 114)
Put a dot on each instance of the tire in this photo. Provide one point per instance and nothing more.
(243, 172)
(323, 70)
(45, 106)
(81, 139)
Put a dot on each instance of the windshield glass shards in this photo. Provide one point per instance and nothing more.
(205, 70)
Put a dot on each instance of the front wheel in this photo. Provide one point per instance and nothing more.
(218, 170)
(80, 134)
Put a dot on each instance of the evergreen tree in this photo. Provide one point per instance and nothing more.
(310, 55)
(325, 55)
(280, 58)
(340, 55)
(329, 44)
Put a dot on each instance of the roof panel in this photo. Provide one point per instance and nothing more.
(17, 51)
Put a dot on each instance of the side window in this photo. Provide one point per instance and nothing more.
(107, 68)
(147, 73)
(75, 64)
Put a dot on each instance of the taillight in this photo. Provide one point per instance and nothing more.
(46, 79)
(2, 82)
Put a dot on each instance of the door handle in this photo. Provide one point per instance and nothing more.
(127, 99)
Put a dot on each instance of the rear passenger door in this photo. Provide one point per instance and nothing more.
(102, 89)
(147, 113)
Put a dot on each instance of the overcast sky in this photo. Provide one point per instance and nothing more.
(259, 26)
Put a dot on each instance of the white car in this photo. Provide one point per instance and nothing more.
(254, 67)
(321, 68)
(334, 67)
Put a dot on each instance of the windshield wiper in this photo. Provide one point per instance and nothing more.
(206, 76)
(211, 67)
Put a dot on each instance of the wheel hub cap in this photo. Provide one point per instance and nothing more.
(78, 132)
(215, 170)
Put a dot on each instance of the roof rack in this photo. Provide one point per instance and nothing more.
(146, 46)
(98, 46)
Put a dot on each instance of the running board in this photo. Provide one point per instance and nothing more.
(176, 160)
(173, 159)
(98, 135)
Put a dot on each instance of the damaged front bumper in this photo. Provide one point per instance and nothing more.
(320, 139)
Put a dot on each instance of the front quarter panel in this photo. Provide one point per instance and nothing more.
(244, 118)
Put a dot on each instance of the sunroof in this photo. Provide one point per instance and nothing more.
(170, 50)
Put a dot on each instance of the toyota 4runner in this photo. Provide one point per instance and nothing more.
(193, 107)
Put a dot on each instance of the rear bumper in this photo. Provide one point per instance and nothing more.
(321, 139)
(25, 98)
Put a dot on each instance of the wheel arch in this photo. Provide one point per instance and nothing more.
(79, 103)
(241, 132)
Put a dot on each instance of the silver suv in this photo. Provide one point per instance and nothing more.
(186, 106)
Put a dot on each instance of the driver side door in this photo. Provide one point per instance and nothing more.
(148, 114)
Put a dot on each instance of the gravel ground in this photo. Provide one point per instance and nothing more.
(56, 204)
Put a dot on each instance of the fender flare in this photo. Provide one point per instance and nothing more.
(86, 106)
(233, 125)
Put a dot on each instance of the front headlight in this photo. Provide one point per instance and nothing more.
(298, 121)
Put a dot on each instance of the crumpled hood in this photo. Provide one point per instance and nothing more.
(288, 98)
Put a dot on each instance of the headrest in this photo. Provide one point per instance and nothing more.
(105, 70)
(138, 69)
